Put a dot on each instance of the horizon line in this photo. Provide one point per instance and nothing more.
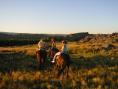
(55, 33)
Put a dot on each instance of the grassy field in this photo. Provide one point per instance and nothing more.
(94, 66)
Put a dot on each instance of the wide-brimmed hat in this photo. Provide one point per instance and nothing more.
(53, 40)
(64, 41)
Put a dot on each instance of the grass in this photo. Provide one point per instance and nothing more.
(90, 69)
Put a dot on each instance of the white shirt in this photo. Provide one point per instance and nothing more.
(64, 49)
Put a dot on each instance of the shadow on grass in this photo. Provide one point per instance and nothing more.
(39, 84)
(92, 62)
(16, 61)
(19, 61)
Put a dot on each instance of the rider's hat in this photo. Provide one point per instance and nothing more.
(41, 39)
(53, 40)
(64, 41)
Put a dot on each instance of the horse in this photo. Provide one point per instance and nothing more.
(52, 52)
(41, 57)
(62, 62)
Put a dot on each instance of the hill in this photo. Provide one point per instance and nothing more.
(8, 35)
(13, 39)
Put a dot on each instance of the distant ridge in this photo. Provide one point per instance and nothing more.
(13, 35)
(15, 39)
(70, 37)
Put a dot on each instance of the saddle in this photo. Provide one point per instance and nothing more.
(66, 57)
(54, 49)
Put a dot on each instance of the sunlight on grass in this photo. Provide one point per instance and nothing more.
(91, 69)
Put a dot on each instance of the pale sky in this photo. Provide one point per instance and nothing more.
(59, 16)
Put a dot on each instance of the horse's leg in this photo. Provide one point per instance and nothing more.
(40, 62)
(61, 70)
(54, 69)
(64, 69)
(67, 70)
(38, 59)
(51, 55)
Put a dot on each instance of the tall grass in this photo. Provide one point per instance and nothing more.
(90, 69)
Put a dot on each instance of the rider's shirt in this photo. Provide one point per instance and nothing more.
(53, 45)
(64, 49)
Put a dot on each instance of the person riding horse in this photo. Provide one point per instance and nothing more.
(62, 59)
(53, 49)
(64, 50)
(53, 43)
(41, 45)
(41, 53)
(61, 62)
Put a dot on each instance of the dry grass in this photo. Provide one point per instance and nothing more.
(90, 69)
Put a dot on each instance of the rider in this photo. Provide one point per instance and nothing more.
(53, 45)
(41, 45)
(64, 50)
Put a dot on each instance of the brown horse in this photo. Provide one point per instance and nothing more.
(62, 62)
(52, 52)
(41, 57)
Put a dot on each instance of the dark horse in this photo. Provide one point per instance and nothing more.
(41, 57)
(52, 52)
(62, 61)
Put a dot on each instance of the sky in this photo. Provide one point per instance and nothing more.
(59, 16)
